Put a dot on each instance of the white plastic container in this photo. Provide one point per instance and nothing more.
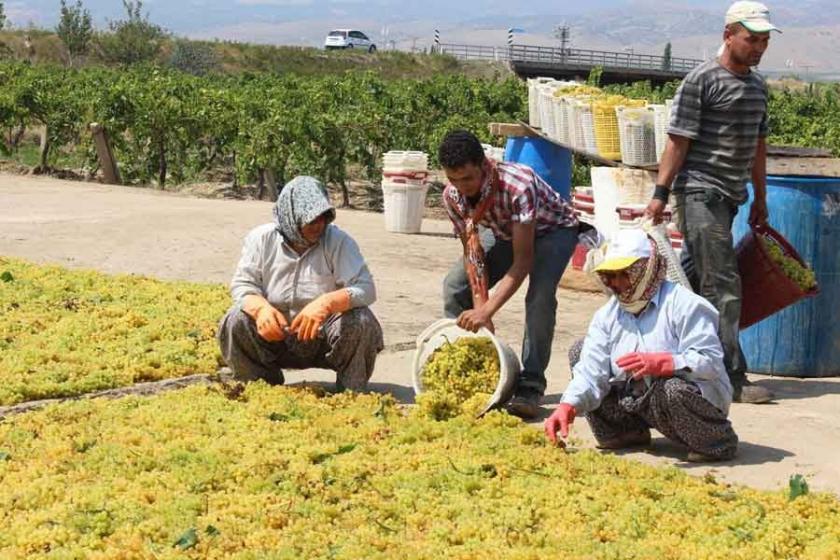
(494, 153)
(661, 118)
(636, 135)
(581, 125)
(618, 186)
(561, 120)
(404, 205)
(547, 109)
(401, 160)
(447, 330)
(534, 99)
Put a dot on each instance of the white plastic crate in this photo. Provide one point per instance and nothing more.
(534, 100)
(661, 119)
(546, 109)
(636, 135)
(405, 160)
(561, 121)
(584, 126)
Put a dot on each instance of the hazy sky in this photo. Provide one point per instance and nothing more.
(184, 16)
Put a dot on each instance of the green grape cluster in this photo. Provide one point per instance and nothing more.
(463, 368)
(803, 276)
(440, 405)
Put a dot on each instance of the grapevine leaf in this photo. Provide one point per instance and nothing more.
(319, 458)
(278, 417)
(212, 531)
(188, 540)
(798, 486)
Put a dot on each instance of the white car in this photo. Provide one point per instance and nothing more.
(348, 39)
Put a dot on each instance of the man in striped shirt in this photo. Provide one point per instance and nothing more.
(528, 230)
(716, 144)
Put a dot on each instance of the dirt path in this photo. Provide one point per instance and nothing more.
(157, 234)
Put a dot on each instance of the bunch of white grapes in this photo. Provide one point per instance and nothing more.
(802, 275)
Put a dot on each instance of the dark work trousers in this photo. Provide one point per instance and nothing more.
(709, 260)
(673, 406)
(552, 252)
(348, 344)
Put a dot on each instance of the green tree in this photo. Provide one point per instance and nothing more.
(193, 57)
(132, 40)
(666, 57)
(50, 98)
(595, 75)
(75, 29)
(2, 16)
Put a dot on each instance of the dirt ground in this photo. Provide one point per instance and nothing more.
(133, 230)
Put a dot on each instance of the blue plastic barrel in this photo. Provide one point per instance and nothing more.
(549, 161)
(804, 339)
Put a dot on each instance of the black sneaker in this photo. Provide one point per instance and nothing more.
(626, 440)
(748, 393)
(525, 405)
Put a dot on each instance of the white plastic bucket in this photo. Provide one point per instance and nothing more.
(447, 330)
(404, 204)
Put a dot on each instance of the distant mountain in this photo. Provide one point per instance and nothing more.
(692, 26)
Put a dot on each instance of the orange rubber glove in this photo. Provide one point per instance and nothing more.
(312, 317)
(642, 364)
(271, 324)
(562, 418)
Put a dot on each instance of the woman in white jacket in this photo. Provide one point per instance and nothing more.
(301, 294)
(651, 359)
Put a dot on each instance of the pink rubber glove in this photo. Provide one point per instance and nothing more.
(643, 364)
(562, 417)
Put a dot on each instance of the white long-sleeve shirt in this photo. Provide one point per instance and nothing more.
(676, 321)
(270, 268)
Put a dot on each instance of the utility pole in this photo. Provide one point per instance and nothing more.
(561, 32)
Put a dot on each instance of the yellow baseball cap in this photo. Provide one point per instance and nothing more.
(626, 248)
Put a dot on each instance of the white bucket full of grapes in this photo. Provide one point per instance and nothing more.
(447, 331)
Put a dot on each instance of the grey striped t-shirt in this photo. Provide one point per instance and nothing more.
(723, 114)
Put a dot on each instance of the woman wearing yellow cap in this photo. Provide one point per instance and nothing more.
(651, 359)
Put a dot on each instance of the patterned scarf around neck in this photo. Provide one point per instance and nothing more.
(474, 262)
(646, 276)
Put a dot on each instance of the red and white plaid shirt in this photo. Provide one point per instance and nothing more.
(522, 197)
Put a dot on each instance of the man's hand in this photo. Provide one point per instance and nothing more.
(642, 364)
(654, 211)
(271, 324)
(758, 213)
(473, 319)
(562, 417)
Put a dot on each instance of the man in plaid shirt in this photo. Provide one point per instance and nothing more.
(529, 231)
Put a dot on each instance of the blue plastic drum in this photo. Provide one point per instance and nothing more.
(549, 161)
(804, 339)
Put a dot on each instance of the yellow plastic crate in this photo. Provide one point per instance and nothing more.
(605, 120)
